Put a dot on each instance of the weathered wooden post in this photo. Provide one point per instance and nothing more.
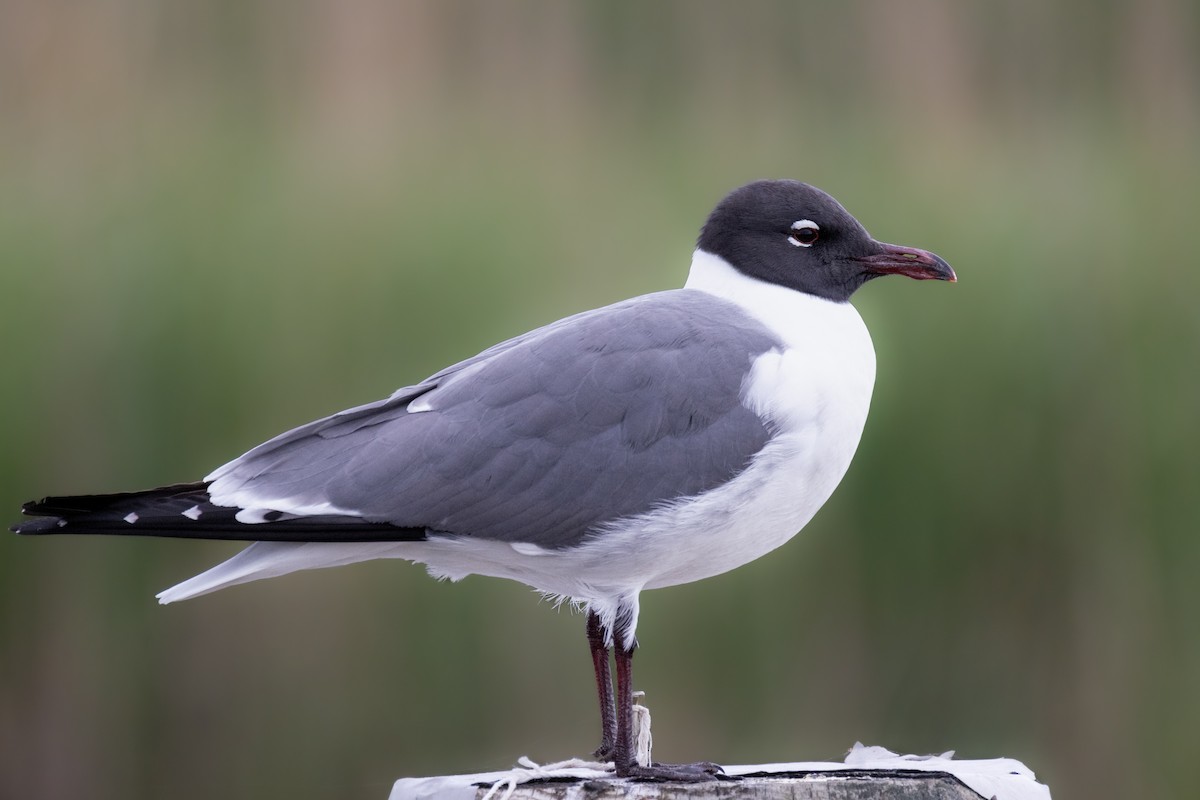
(867, 772)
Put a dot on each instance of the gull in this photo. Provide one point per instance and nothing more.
(661, 440)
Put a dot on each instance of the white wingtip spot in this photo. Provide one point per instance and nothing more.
(252, 516)
(192, 513)
(131, 517)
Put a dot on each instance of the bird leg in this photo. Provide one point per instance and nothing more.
(604, 690)
(624, 753)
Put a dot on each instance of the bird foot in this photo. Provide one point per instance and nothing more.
(686, 773)
(604, 752)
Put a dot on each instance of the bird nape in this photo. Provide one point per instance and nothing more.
(661, 440)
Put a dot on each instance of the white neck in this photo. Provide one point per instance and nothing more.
(792, 314)
(713, 274)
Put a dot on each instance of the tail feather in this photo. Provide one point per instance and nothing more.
(272, 559)
(185, 511)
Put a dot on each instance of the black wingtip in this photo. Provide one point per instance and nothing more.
(36, 526)
(31, 506)
(184, 511)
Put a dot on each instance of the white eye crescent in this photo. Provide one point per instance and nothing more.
(805, 233)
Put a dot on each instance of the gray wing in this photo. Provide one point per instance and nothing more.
(539, 439)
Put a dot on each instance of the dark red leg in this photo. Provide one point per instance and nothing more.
(624, 754)
(604, 690)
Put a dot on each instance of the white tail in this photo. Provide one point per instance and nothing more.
(272, 559)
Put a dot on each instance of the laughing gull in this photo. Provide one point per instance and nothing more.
(654, 442)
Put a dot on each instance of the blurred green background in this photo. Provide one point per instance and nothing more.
(220, 220)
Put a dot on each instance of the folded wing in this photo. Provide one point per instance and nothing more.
(539, 439)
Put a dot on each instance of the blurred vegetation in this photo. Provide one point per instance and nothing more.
(221, 220)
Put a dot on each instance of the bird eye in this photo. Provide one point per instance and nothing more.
(805, 233)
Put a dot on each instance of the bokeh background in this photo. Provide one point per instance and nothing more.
(219, 220)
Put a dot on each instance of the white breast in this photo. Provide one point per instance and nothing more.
(815, 390)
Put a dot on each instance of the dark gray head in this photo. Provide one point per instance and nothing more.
(793, 234)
